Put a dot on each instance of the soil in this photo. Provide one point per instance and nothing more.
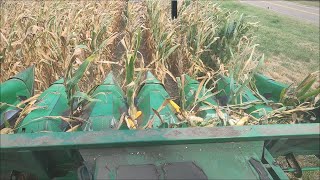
(146, 51)
(287, 71)
(171, 87)
(145, 48)
(304, 161)
(118, 49)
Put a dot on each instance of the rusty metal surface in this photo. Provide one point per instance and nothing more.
(121, 138)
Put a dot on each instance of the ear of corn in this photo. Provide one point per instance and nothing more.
(175, 106)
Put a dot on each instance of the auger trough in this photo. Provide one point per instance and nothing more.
(43, 147)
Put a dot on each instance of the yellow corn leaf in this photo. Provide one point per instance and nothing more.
(121, 120)
(157, 114)
(180, 117)
(6, 131)
(74, 128)
(220, 114)
(232, 122)
(199, 89)
(243, 121)
(31, 99)
(163, 105)
(132, 111)
(149, 124)
(195, 119)
(209, 125)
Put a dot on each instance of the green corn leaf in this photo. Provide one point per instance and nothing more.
(244, 84)
(91, 91)
(256, 91)
(171, 50)
(130, 70)
(283, 94)
(203, 98)
(73, 81)
(199, 90)
(84, 96)
(309, 95)
(304, 82)
(6, 124)
(101, 33)
(106, 42)
(306, 87)
(93, 41)
(137, 45)
(82, 46)
(129, 79)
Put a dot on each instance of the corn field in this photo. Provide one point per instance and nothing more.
(88, 39)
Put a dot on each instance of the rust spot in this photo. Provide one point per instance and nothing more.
(174, 133)
(43, 140)
(88, 138)
(48, 139)
(148, 132)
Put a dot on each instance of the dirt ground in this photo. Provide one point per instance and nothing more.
(288, 72)
(304, 161)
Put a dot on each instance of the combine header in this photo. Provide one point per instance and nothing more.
(44, 147)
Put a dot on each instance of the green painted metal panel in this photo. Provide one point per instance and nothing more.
(22, 162)
(224, 84)
(11, 90)
(190, 89)
(43, 164)
(72, 175)
(271, 90)
(106, 112)
(52, 102)
(15, 90)
(216, 161)
(285, 146)
(151, 96)
(232, 147)
(268, 87)
(151, 137)
(19, 85)
(159, 137)
(302, 169)
(275, 170)
(27, 76)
